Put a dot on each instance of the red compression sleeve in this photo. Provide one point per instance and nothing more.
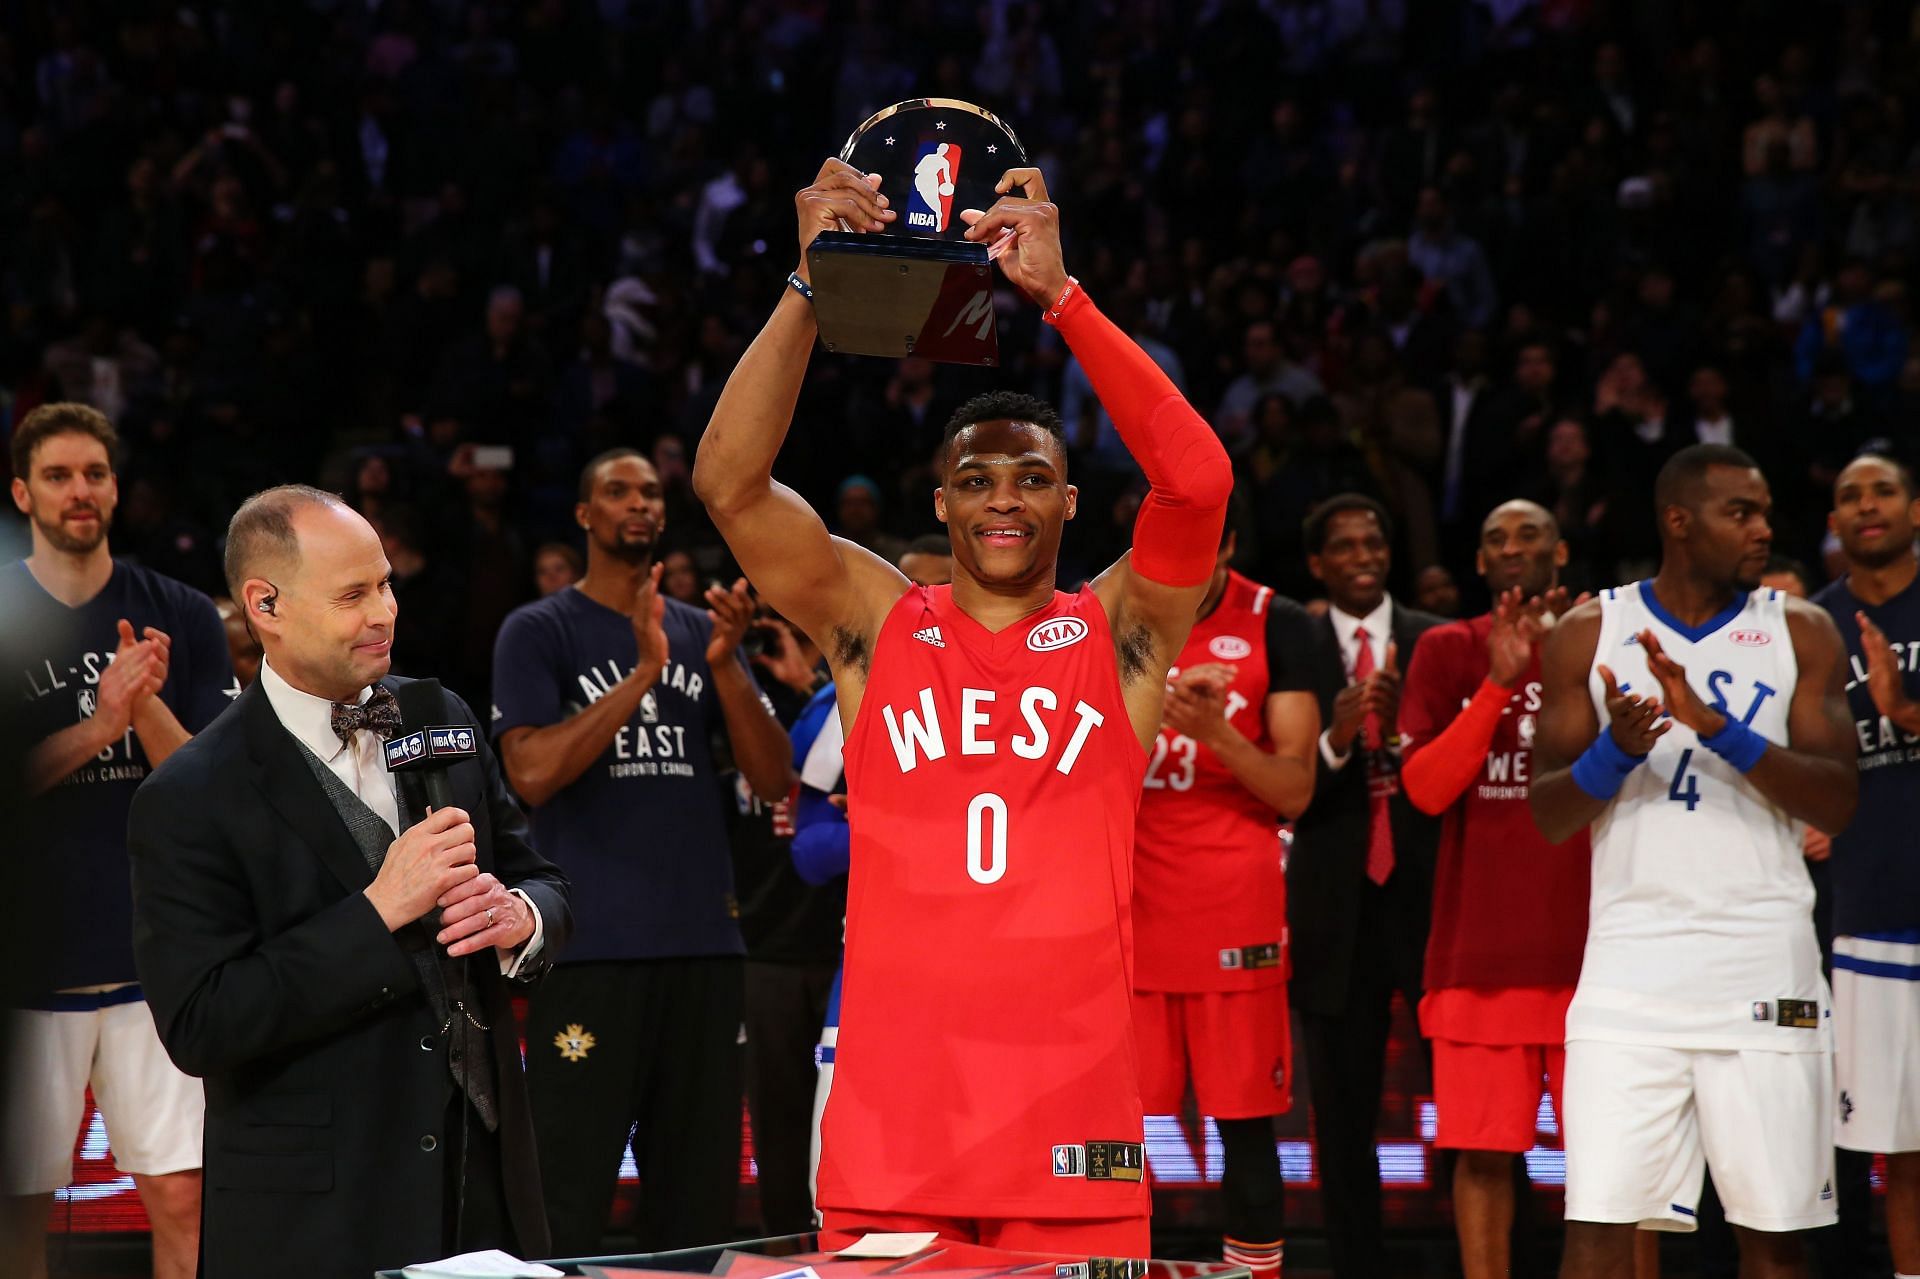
(1439, 772)
(1177, 536)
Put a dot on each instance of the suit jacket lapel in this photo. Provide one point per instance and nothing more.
(288, 785)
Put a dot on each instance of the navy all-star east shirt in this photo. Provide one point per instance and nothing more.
(77, 829)
(1876, 859)
(642, 834)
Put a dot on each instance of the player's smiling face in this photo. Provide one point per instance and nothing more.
(1354, 562)
(1520, 547)
(1005, 501)
(70, 491)
(1873, 513)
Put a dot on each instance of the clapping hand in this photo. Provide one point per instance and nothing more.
(1636, 722)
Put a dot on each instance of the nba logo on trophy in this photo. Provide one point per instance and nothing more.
(930, 203)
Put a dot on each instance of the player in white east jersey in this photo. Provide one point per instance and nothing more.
(1691, 720)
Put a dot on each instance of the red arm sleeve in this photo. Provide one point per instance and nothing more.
(1177, 535)
(1437, 772)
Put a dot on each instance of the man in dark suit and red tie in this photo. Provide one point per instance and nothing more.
(331, 952)
(1360, 876)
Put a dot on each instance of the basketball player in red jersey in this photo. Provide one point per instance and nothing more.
(1509, 908)
(1235, 753)
(986, 1085)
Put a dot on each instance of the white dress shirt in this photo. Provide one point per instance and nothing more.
(1346, 629)
(364, 770)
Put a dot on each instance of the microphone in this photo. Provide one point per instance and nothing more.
(426, 745)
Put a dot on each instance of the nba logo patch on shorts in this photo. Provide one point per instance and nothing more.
(1069, 1161)
(930, 201)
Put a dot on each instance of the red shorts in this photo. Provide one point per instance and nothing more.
(1494, 1052)
(1066, 1238)
(1487, 1096)
(1235, 1045)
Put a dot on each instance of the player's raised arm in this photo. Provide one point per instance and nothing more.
(833, 590)
(1581, 764)
(1153, 592)
(1814, 780)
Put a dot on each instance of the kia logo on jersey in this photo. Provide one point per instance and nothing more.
(935, 169)
(1229, 648)
(1751, 639)
(1058, 633)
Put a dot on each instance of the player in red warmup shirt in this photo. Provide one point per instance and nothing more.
(1235, 753)
(1509, 908)
(985, 1080)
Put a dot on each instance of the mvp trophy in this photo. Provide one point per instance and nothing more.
(917, 288)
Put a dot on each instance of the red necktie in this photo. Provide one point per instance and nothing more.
(1381, 781)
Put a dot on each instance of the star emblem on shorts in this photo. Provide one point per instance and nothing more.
(574, 1042)
(889, 141)
(939, 124)
(991, 149)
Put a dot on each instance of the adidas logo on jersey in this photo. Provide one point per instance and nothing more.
(930, 635)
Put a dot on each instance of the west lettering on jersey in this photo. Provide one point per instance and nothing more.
(914, 729)
(992, 779)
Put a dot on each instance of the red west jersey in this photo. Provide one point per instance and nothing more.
(1509, 909)
(1209, 892)
(986, 1063)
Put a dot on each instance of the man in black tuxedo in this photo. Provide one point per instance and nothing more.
(365, 1103)
(1360, 876)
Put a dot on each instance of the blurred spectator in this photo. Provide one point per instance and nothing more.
(1268, 371)
(1779, 124)
(857, 518)
(1451, 259)
(497, 381)
(1435, 591)
(679, 578)
(556, 566)
(242, 648)
(1862, 328)
(103, 366)
(488, 560)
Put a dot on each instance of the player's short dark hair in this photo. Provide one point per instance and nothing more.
(1313, 530)
(1004, 406)
(931, 544)
(261, 533)
(1900, 469)
(64, 418)
(1679, 480)
(592, 469)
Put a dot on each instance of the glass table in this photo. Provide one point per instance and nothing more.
(803, 1257)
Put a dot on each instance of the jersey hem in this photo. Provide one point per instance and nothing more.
(1022, 1209)
(1817, 1042)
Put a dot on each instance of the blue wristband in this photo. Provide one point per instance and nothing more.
(1602, 771)
(799, 285)
(1737, 744)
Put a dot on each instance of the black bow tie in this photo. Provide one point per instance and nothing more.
(379, 714)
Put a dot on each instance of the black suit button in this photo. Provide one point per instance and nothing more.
(426, 1043)
(429, 1143)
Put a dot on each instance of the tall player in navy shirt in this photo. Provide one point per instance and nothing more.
(1875, 866)
(607, 696)
(124, 666)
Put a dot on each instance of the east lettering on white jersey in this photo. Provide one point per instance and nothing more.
(1700, 921)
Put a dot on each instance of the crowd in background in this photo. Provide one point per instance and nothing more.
(435, 253)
